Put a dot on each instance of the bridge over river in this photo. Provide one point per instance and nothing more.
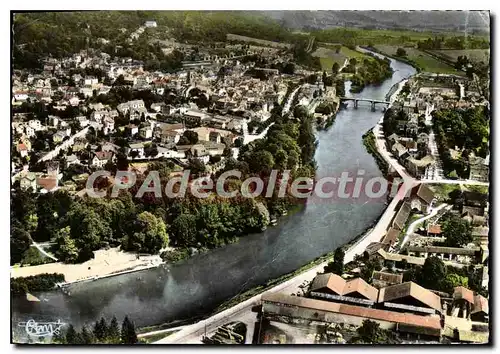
(371, 100)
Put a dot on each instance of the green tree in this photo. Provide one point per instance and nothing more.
(150, 234)
(65, 247)
(100, 329)
(87, 337)
(433, 273)
(337, 266)
(335, 68)
(370, 332)
(400, 52)
(113, 332)
(128, 335)
(183, 230)
(453, 280)
(71, 335)
(458, 232)
(20, 241)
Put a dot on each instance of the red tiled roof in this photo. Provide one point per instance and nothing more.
(434, 229)
(480, 304)
(461, 292)
(48, 183)
(410, 289)
(341, 287)
(430, 322)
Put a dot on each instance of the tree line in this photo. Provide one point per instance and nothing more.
(100, 333)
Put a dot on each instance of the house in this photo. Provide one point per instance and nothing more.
(480, 310)
(481, 235)
(59, 136)
(384, 279)
(72, 160)
(455, 254)
(28, 180)
(391, 237)
(146, 133)
(282, 305)
(23, 150)
(434, 230)
(418, 167)
(132, 106)
(83, 121)
(402, 215)
(110, 147)
(479, 168)
(90, 80)
(79, 144)
(132, 129)
(108, 125)
(400, 151)
(333, 287)
(150, 24)
(195, 116)
(410, 297)
(421, 198)
(136, 150)
(158, 107)
(47, 184)
(101, 158)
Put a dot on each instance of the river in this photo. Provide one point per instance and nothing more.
(198, 285)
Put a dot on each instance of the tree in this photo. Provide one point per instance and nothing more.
(337, 266)
(433, 273)
(183, 230)
(65, 248)
(128, 335)
(453, 280)
(87, 337)
(20, 241)
(458, 232)
(400, 52)
(149, 235)
(71, 335)
(335, 68)
(113, 332)
(189, 137)
(370, 332)
(100, 329)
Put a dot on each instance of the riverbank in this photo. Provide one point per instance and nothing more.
(105, 263)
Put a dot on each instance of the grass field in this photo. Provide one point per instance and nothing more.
(473, 54)
(425, 61)
(327, 55)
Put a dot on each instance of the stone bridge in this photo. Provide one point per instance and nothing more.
(356, 100)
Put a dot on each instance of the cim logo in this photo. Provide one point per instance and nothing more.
(42, 329)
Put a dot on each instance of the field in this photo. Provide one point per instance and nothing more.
(425, 61)
(475, 55)
(238, 38)
(380, 36)
(327, 55)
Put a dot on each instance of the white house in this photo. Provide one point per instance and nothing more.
(101, 158)
(90, 80)
(146, 132)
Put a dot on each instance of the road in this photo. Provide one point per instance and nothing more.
(243, 311)
(412, 226)
(43, 251)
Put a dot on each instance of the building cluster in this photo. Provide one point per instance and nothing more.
(86, 128)
(413, 143)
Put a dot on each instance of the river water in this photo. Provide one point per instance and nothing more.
(198, 285)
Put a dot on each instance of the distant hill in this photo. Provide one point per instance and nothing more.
(454, 21)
